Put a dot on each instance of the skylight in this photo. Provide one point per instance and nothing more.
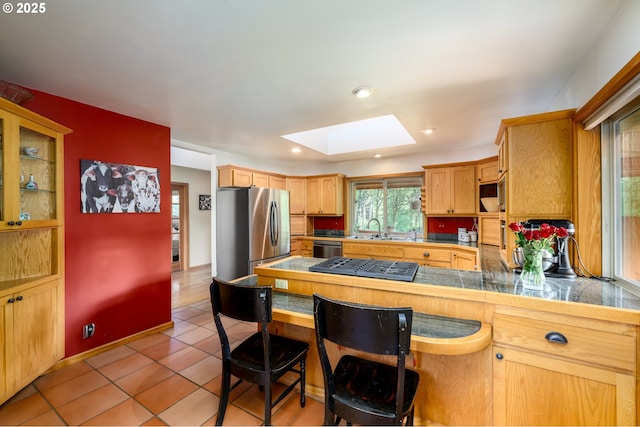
(368, 134)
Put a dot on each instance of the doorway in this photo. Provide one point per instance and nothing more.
(179, 226)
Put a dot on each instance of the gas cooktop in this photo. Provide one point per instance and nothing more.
(373, 268)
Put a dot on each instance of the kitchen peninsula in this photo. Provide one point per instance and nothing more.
(494, 355)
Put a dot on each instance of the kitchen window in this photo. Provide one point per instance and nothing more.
(621, 174)
(387, 206)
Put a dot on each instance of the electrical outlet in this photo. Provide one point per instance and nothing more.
(88, 330)
(282, 284)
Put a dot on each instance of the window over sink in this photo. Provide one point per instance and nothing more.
(388, 207)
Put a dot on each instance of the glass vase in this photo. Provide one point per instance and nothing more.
(532, 276)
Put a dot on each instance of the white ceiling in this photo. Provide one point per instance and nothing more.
(236, 75)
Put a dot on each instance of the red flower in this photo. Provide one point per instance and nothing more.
(516, 227)
(562, 232)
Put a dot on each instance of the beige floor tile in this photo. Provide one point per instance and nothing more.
(211, 345)
(203, 371)
(155, 421)
(183, 359)
(194, 335)
(110, 356)
(92, 404)
(148, 341)
(235, 416)
(166, 393)
(142, 379)
(202, 319)
(179, 328)
(194, 409)
(49, 418)
(23, 410)
(125, 366)
(252, 400)
(61, 375)
(185, 313)
(215, 385)
(74, 388)
(291, 414)
(164, 349)
(127, 413)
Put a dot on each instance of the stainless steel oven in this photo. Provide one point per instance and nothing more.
(327, 248)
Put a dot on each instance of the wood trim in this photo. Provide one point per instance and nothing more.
(617, 82)
(222, 167)
(34, 117)
(535, 118)
(109, 346)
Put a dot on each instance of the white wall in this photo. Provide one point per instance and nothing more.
(199, 221)
(612, 52)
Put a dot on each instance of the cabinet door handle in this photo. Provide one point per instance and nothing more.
(11, 223)
(18, 222)
(19, 298)
(425, 254)
(11, 300)
(499, 356)
(556, 337)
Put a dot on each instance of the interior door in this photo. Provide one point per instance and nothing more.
(179, 225)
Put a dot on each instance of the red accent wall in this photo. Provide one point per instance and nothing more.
(445, 225)
(328, 223)
(118, 268)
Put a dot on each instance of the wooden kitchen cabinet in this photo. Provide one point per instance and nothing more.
(589, 380)
(324, 195)
(297, 187)
(428, 256)
(451, 190)
(487, 171)
(31, 246)
(463, 260)
(372, 251)
(503, 153)
(32, 325)
(236, 176)
(539, 181)
(489, 230)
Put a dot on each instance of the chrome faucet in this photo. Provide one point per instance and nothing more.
(379, 227)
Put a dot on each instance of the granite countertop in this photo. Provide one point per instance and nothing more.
(424, 325)
(500, 280)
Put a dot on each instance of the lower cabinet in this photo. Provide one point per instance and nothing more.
(552, 369)
(32, 332)
(429, 257)
(461, 260)
(490, 231)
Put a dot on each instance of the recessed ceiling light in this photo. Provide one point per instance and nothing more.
(296, 150)
(362, 91)
(377, 155)
(429, 131)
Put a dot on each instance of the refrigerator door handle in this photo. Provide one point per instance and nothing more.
(273, 224)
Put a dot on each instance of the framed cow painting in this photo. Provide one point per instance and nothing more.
(118, 188)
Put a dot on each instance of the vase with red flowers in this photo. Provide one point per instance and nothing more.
(535, 243)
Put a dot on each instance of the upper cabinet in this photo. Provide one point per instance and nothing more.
(297, 187)
(539, 158)
(487, 171)
(451, 190)
(325, 195)
(235, 176)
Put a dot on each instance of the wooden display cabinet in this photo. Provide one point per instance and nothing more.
(32, 246)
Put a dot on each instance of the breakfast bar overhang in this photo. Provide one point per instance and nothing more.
(467, 348)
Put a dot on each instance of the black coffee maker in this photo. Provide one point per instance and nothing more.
(561, 264)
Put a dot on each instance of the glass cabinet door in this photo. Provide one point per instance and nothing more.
(1, 170)
(37, 178)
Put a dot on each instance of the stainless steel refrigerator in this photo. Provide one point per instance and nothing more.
(252, 227)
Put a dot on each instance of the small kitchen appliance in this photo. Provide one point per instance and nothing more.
(561, 266)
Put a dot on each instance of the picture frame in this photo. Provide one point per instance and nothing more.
(204, 202)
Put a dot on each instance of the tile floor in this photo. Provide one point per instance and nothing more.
(169, 378)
